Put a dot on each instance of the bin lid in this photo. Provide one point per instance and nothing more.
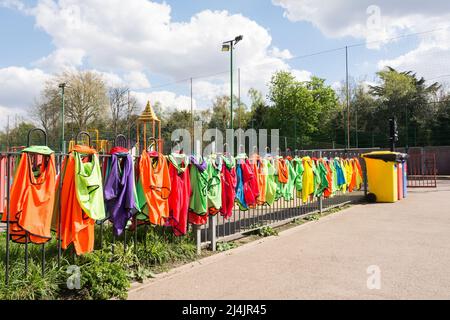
(387, 156)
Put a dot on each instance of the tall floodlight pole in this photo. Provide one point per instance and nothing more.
(7, 135)
(192, 116)
(406, 130)
(231, 85)
(348, 97)
(128, 118)
(63, 145)
(239, 98)
(229, 46)
(356, 125)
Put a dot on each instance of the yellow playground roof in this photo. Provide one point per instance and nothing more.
(148, 114)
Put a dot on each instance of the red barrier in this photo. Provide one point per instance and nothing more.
(422, 171)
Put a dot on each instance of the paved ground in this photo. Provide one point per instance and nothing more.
(409, 241)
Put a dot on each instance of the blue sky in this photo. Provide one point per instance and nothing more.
(25, 43)
(148, 43)
(29, 43)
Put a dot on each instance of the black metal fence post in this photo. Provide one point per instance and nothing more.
(43, 260)
(59, 238)
(8, 215)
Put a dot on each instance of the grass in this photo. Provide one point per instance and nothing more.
(313, 217)
(31, 285)
(107, 272)
(226, 246)
(266, 231)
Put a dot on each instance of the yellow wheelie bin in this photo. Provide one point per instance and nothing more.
(382, 174)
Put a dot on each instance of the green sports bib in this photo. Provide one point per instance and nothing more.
(271, 185)
(89, 187)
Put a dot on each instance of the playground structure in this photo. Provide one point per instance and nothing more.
(101, 145)
(17, 149)
(148, 126)
(146, 120)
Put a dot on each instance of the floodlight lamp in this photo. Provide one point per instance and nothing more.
(239, 38)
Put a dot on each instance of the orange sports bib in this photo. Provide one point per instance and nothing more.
(155, 178)
(32, 199)
(283, 173)
(76, 226)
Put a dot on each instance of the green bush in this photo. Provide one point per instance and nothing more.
(267, 231)
(31, 286)
(103, 277)
(313, 217)
(225, 246)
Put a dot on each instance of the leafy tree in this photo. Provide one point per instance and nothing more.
(309, 113)
(241, 114)
(118, 105)
(46, 111)
(440, 126)
(259, 110)
(18, 135)
(175, 120)
(256, 97)
(363, 112)
(300, 109)
(406, 97)
(86, 97)
(220, 113)
(158, 108)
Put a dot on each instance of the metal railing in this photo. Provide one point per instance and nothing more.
(422, 172)
(217, 229)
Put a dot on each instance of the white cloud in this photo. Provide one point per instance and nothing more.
(429, 59)
(19, 86)
(169, 100)
(367, 84)
(141, 38)
(365, 19)
(15, 115)
(61, 59)
(12, 4)
(302, 75)
(206, 91)
(389, 19)
(129, 43)
(282, 54)
(111, 79)
(137, 80)
(337, 86)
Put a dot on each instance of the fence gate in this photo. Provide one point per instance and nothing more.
(422, 170)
